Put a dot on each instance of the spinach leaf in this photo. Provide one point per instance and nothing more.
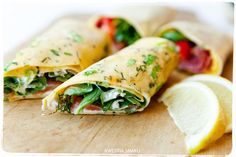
(109, 98)
(79, 89)
(10, 83)
(125, 32)
(124, 104)
(51, 74)
(25, 81)
(24, 86)
(133, 99)
(107, 105)
(64, 78)
(39, 83)
(7, 90)
(173, 35)
(89, 99)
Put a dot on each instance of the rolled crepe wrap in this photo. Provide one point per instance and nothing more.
(128, 24)
(119, 84)
(62, 51)
(206, 50)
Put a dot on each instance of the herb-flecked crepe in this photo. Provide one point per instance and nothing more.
(203, 49)
(62, 51)
(119, 84)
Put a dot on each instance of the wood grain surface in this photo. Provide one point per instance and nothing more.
(152, 131)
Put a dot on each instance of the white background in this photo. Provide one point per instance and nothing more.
(23, 20)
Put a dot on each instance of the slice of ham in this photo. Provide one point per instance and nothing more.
(90, 107)
(51, 85)
(76, 102)
(116, 46)
(198, 61)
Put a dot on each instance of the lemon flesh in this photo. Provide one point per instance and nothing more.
(196, 111)
(223, 89)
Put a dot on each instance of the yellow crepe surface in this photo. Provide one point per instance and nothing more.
(141, 69)
(68, 44)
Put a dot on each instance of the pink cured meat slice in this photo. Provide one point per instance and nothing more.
(198, 61)
(77, 100)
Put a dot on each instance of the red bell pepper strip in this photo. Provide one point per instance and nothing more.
(184, 48)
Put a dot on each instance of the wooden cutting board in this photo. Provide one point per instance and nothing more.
(149, 132)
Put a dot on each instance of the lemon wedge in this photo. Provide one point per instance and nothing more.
(223, 89)
(196, 111)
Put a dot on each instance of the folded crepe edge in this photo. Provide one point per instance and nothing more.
(21, 70)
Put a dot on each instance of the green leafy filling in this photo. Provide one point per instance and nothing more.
(79, 89)
(60, 77)
(125, 32)
(173, 35)
(10, 83)
(109, 99)
(22, 87)
(89, 99)
(38, 84)
(31, 82)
